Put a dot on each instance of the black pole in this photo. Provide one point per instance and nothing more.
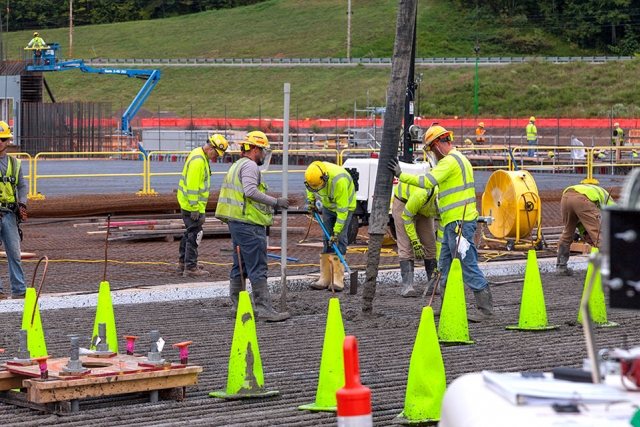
(409, 98)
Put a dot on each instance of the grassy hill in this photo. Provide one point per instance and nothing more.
(312, 28)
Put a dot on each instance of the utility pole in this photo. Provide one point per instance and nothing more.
(349, 29)
(70, 29)
(475, 95)
(409, 100)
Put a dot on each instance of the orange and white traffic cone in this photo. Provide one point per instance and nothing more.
(354, 399)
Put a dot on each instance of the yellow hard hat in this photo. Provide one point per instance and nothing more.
(5, 132)
(219, 143)
(532, 119)
(36, 34)
(550, 154)
(468, 141)
(257, 138)
(316, 176)
(481, 124)
(616, 124)
(434, 133)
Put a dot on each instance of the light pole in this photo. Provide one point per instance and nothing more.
(349, 29)
(475, 97)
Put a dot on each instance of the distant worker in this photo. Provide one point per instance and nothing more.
(532, 136)
(414, 209)
(617, 139)
(335, 188)
(193, 196)
(480, 134)
(37, 41)
(248, 210)
(580, 207)
(13, 211)
(453, 175)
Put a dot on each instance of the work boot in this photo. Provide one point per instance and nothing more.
(430, 266)
(406, 272)
(262, 300)
(195, 273)
(338, 273)
(484, 305)
(325, 273)
(564, 252)
(3, 295)
(18, 296)
(180, 268)
(235, 286)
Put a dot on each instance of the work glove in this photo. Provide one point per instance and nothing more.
(418, 249)
(333, 239)
(311, 207)
(22, 212)
(394, 166)
(281, 203)
(195, 215)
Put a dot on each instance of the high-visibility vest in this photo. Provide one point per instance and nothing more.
(195, 182)
(234, 205)
(339, 195)
(596, 194)
(454, 177)
(618, 134)
(532, 132)
(9, 182)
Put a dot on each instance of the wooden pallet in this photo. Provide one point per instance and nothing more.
(121, 374)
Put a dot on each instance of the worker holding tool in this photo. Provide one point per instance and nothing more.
(13, 211)
(334, 186)
(413, 210)
(580, 207)
(248, 210)
(458, 215)
(193, 196)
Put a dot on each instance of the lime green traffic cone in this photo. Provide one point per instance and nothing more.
(331, 377)
(35, 334)
(427, 380)
(453, 328)
(597, 305)
(533, 312)
(245, 378)
(104, 314)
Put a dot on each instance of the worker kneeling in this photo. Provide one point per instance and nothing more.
(414, 210)
(335, 188)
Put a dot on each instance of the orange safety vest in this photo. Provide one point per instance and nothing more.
(480, 135)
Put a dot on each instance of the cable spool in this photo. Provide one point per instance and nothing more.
(511, 197)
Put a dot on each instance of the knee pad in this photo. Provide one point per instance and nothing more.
(199, 237)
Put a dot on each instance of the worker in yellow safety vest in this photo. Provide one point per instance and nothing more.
(193, 196)
(334, 186)
(414, 210)
(617, 140)
(532, 135)
(458, 215)
(248, 210)
(37, 41)
(580, 207)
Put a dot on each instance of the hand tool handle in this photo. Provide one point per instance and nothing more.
(335, 247)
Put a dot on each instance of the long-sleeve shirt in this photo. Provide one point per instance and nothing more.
(249, 175)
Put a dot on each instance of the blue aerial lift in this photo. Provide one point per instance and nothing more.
(49, 58)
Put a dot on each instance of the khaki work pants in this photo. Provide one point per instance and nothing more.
(576, 207)
(425, 229)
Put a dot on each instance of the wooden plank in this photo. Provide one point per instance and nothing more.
(9, 380)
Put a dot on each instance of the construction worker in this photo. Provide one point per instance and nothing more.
(193, 196)
(334, 186)
(480, 134)
(458, 215)
(248, 210)
(532, 136)
(580, 205)
(617, 140)
(37, 41)
(13, 210)
(413, 210)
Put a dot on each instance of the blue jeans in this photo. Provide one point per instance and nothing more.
(11, 241)
(471, 273)
(329, 219)
(252, 240)
(531, 143)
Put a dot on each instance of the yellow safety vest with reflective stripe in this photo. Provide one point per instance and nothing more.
(454, 177)
(193, 193)
(596, 194)
(36, 42)
(233, 205)
(339, 195)
(618, 135)
(532, 132)
(9, 182)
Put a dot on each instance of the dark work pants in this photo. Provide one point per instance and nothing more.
(190, 240)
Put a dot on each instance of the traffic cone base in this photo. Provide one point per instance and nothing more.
(533, 312)
(245, 378)
(597, 305)
(104, 314)
(35, 334)
(331, 377)
(453, 328)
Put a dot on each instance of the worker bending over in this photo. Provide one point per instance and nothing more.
(458, 215)
(413, 210)
(248, 210)
(334, 186)
(580, 207)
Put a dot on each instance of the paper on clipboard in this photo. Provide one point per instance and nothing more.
(546, 391)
